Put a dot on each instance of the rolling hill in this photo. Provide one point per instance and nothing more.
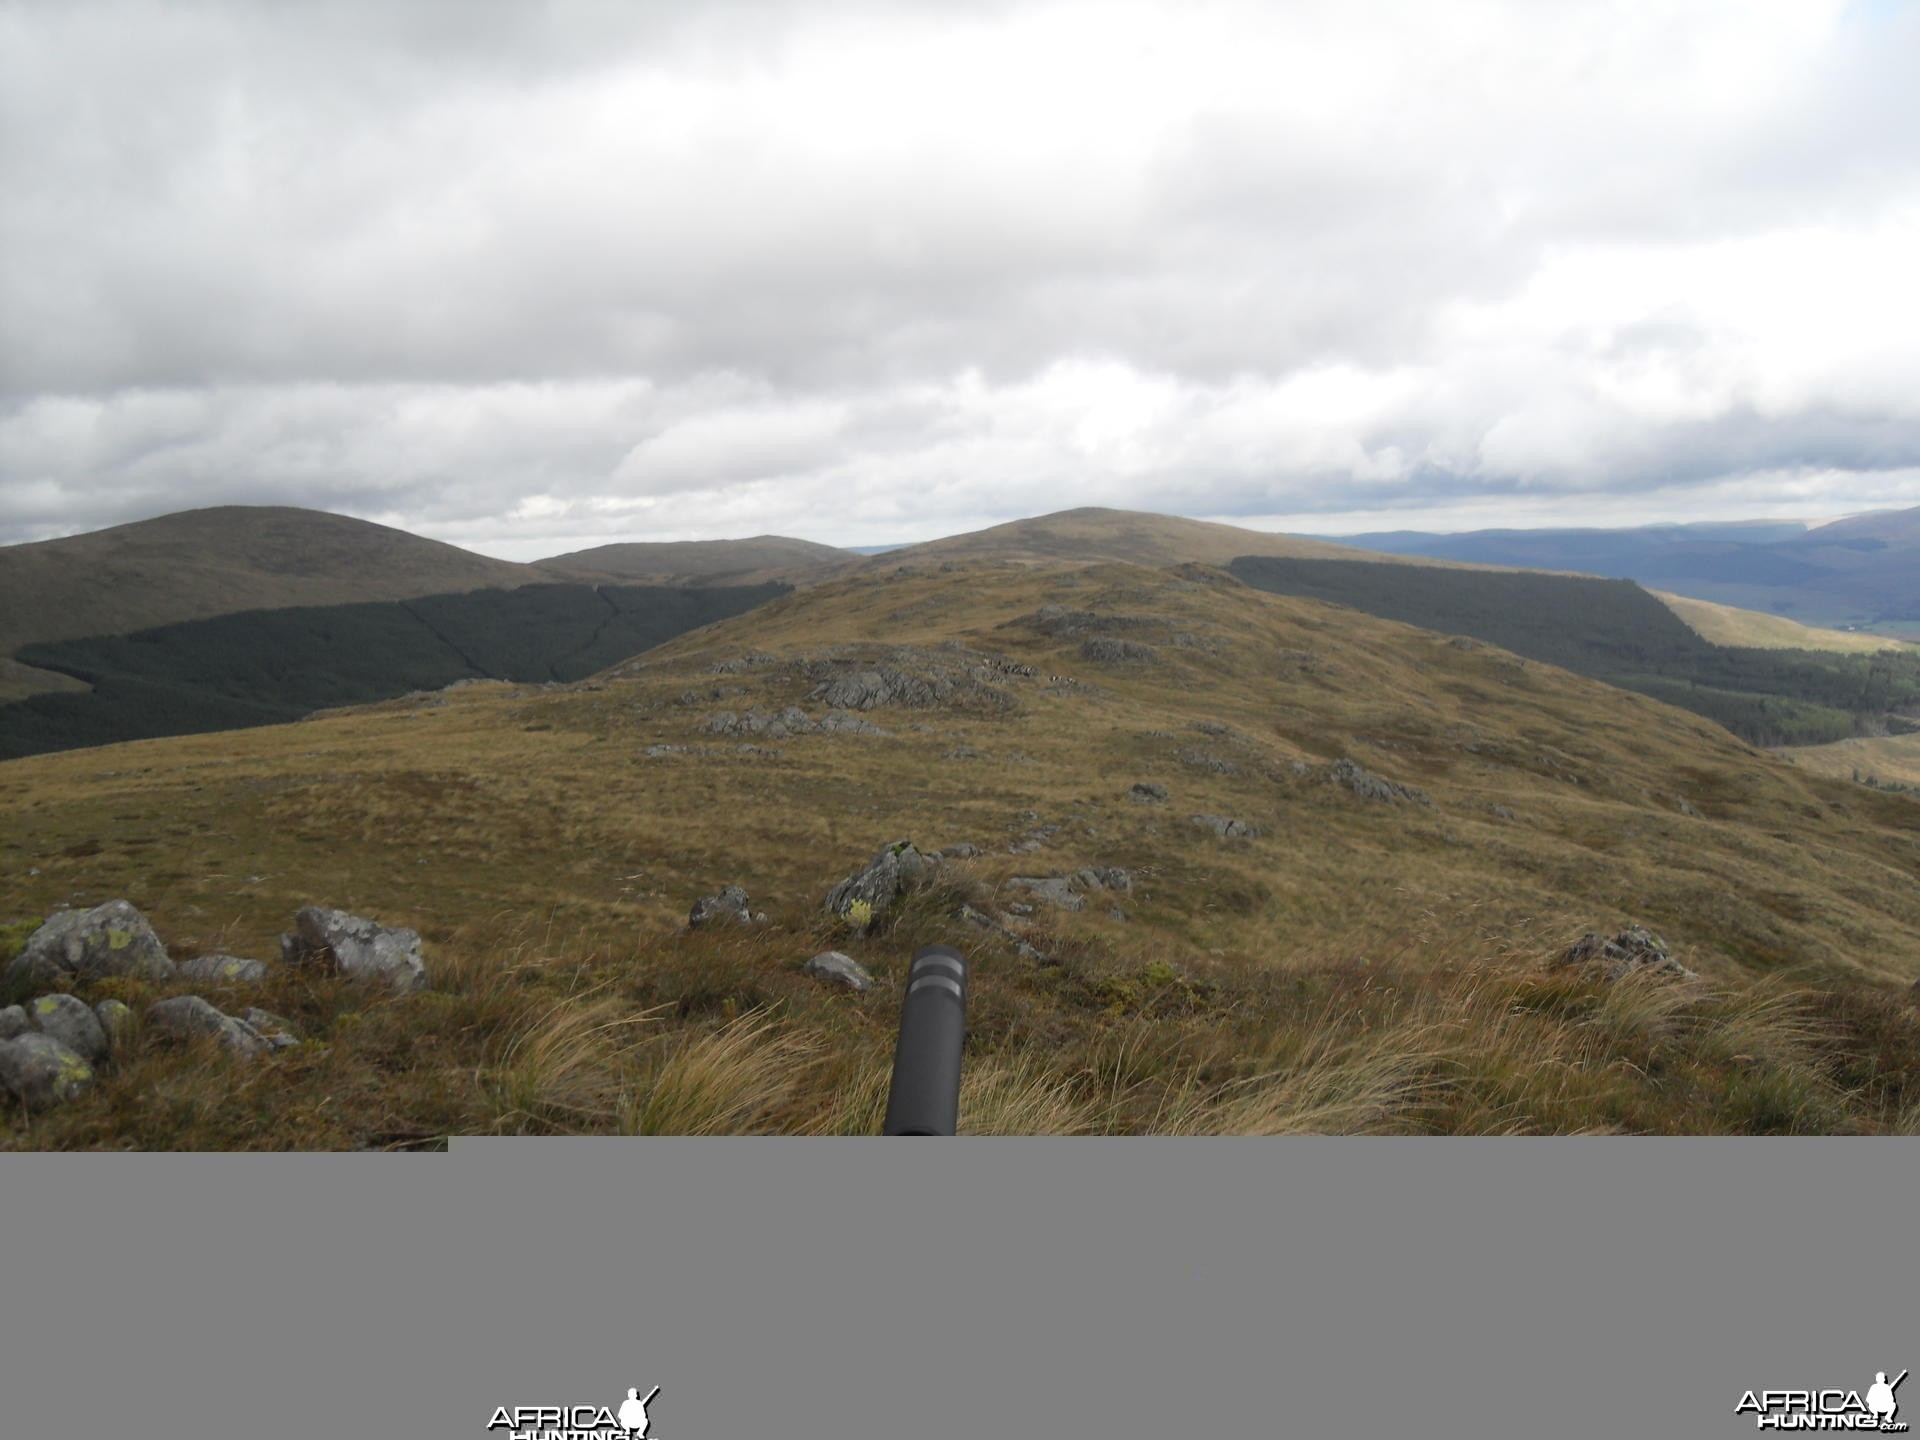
(1094, 533)
(1421, 827)
(218, 561)
(708, 562)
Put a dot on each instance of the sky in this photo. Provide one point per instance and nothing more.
(529, 278)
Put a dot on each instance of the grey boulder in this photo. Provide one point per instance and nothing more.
(839, 969)
(13, 1021)
(1225, 828)
(69, 1021)
(362, 948)
(879, 882)
(110, 939)
(41, 1072)
(222, 967)
(188, 1018)
(1635, 949)
(729, 903)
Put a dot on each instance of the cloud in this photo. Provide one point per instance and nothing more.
(505, 273)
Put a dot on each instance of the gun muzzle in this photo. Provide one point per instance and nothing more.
(925, 1095)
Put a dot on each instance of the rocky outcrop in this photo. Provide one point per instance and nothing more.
(1635, 949)
(1368, 786)
(1109, 650)
(1070, 892)
(356, 946)
(1147, 792)
(110, 939)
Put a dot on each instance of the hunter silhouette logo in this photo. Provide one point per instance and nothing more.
(633, 1411)
(1827, 1409)
(577, 1422)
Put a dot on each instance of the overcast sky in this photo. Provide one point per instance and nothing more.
(533, 277)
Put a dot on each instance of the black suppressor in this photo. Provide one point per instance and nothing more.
(925, 1096)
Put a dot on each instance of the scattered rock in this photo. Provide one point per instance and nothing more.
(13, 1021)
(1225, 828)
(984, 921)
(1502, 811)
(728, 904)
(1053, 889)
(655, 752)
(230, 968)
(1633, 949)
(110, 939)
(360, 947)
(1681, 804)
(1370, 786)
(41, 1072)
(189, 1018)
(68, 1020)
(962, 851)
(1206, 760)
(839, 722)
(963, 752)
(277, 1032)
(1146, 792)
(116, 1021)
(839, 969)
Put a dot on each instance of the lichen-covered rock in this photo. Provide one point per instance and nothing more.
(359, 947)
(189, 1017)
(1053, 889)
(879, 882)
(110, 939)
(116, 1021)
(839, 969)
(41, 1072)
(69, 1021)
(230, 968)
(13, 1021)
(1225, 828)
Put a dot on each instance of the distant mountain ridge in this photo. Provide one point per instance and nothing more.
(1860, 571)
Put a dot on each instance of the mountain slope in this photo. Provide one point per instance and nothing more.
(201, 563)
(1436, 821)
(701, 561)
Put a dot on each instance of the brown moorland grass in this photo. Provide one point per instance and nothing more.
(1360, 965)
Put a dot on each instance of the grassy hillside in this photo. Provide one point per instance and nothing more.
(201, 563)
(1617, 632)
(1362, 964)
(1729, 625)
(265, 666)
(1891, 762)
